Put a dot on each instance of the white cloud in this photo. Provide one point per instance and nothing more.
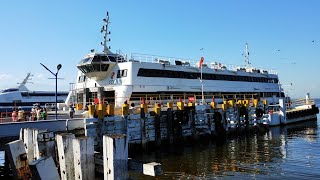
(40, 77)
(7, 80)
(5, 77)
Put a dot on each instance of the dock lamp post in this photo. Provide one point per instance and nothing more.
(56, 77)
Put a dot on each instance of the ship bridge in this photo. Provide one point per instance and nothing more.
(98, 66)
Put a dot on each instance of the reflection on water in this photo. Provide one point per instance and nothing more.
(283, 152)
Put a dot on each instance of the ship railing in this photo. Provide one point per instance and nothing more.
(156, 98)
(121, 57)
(137, 57)
(300, 102)
(160, 59)
(6, 117)
(162, 99)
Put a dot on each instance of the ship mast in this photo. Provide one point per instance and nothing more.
(104, 30)
(24, 82)
(246, 56)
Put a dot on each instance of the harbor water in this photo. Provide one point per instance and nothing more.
(290, 152)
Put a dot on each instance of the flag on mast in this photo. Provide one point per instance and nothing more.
(201, 61)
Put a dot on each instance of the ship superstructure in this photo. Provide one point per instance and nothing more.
(115, 78)
(22, 97)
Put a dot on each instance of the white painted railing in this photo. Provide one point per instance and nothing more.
(137, 57)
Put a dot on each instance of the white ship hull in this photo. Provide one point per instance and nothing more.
(21, 97)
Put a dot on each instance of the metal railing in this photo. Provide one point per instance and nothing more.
(137, 57)
(299, 102)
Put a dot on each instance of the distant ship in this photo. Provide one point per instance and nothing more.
(116, 78)
(22, 97)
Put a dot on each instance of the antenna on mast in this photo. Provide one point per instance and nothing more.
(104, 30)
(246, 56)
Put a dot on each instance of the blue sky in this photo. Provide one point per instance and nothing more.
(279, 33)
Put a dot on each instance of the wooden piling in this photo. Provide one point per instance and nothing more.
(115, 156)
(143, 134)
(83, 151)
(16, 153)
(193, 124)
(93, 128)
(178, 121)
(143, 128)
(157, 129)
(65, 154)
(46, 144)
(29, 143)
(170, 125)
(37, 153)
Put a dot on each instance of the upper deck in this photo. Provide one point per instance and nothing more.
(145, 58)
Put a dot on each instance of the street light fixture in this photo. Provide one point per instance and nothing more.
(59, 66)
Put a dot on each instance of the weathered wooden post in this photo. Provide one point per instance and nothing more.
(29, 143)
(37, 153)
(91, 130)
(193, 124)
(83, 151)
(143, 125)
(115, 156)
(157, 128)
(17, 156)
(65, 154)
(170, 125)
(46, 144)
(177, 120)
(143, 133)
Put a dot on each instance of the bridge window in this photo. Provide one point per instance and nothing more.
(122, 73)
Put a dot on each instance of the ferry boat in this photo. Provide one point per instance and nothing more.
(22, 97)
(116, 78)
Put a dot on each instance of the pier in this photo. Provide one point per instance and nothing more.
(100, 145)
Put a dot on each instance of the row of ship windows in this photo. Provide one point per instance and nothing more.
(40, 94)
(190, 75)
(99, 59)
(120, 74)
(93, 68)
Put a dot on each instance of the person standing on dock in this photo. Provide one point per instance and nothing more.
(15, 116)
(21, 114)
(33, 114)
(38, 115)
(44, 114)
(71, 111)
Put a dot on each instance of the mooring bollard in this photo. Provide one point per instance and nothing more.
(83, 151)
(65, 154)
(115, 156)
